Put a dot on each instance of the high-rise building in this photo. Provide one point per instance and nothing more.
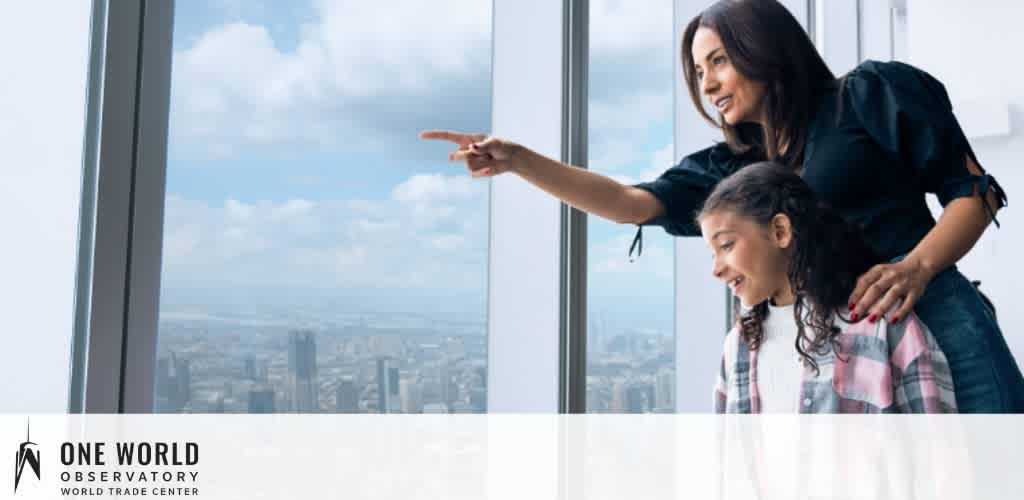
(347, 396)
(261, 400)
(449, 384)
(387, 386)
(411, 395)
(173, 384)
(302, 373)
(665, 392)
(256, 369)
(250, 368)
(618, 397)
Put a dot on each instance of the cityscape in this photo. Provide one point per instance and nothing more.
(379, 363)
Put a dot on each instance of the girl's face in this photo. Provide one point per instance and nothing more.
(736, 97)
(752, 259)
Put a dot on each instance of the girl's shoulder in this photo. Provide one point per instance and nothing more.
(903, 341)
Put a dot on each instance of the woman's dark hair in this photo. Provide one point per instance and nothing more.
(827, 254)
(765, 43)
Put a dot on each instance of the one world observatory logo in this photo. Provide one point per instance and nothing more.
(26, 455)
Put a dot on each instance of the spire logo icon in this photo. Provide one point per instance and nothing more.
(27, 454)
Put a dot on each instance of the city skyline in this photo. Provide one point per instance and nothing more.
(241, 367)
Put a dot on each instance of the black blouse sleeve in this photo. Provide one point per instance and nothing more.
(908, 112)
(683, 188)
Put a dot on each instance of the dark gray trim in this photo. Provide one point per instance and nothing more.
(103, 272)
(146, 236)
(572, 384)
(120, 229)
(87, 211)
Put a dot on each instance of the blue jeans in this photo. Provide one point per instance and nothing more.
(985, 375)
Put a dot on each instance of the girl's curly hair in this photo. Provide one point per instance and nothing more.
(828, 254)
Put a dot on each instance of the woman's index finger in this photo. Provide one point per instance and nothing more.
(445, 135)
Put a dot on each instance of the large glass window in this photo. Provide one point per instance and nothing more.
(630, 342)
(318, 256)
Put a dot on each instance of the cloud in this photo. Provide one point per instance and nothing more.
(631, 83)
(431, 232)
(359, 78)
(622, 27)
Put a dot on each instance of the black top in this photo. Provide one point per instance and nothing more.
(879, 140)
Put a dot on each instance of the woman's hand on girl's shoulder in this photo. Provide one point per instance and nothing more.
(886, 285)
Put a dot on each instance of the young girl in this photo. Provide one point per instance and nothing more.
(792, 262)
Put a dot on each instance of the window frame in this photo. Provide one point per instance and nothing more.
(120, 240)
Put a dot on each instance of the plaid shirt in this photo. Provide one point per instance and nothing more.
(888, 368)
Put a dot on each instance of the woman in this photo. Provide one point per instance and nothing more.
(870, 144)
(792, 262)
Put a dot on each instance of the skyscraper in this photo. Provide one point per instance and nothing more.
(256, 369)
(302, 373)
(665, 392)
(411, 395)
(173, 382)
(387, 386)
(347, 396)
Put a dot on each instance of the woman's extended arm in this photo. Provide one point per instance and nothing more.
(962, 222)
(586, 190)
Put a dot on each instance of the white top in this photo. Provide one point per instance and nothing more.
(778, 363)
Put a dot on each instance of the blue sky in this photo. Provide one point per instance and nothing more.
(294, 162)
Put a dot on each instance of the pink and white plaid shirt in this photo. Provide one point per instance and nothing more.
(885, 368)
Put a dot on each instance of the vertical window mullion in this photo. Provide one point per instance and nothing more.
(573, 234)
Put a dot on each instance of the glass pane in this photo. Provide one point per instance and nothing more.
(317, 255)
(630, 342)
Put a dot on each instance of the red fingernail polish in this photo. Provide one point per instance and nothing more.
(850, 306)
(895, 319)
(854, 317)
(872, 318)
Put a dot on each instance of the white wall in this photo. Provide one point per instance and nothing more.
(972, 47)
(44, 54)
(523, 271)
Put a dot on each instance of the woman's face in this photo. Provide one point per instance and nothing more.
(736, 97)
(750, 258)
